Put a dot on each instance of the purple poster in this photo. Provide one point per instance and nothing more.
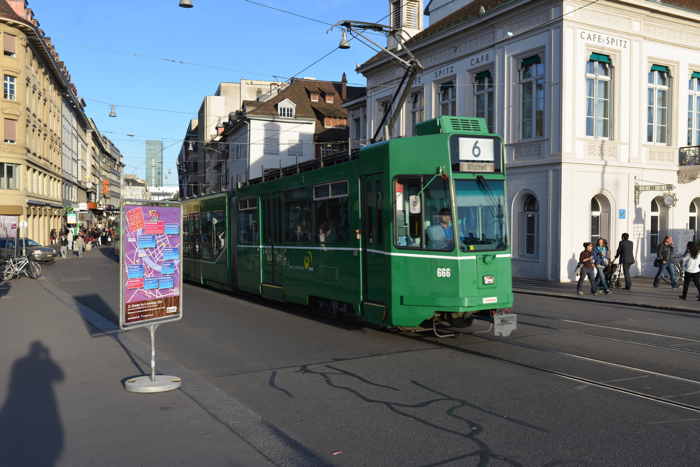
(151, 264)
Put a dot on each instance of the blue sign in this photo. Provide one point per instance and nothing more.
(146, 241)
(135, 271)
(167, 268)
(172, 229)
(150, 283)
(170, 254)
(166, 283)
(622, 213)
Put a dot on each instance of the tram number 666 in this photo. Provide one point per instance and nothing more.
(444, 272)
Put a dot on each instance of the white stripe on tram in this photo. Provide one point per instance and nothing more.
(378, 252)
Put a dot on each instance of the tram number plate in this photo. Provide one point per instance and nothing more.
(444, 272)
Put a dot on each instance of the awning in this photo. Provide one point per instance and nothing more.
(595, 57)
(661, 68)
(533, 60)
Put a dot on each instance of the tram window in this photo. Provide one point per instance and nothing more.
(331, 212)
(273, 226)
(248, 222)
(423, 213)
(191, 236)
(298, 212)
(213, 234)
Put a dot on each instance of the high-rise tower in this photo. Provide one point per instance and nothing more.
(154, 163)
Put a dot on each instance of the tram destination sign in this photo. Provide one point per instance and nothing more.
(150, 263)
(474, 154)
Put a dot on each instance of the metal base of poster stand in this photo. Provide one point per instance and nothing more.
(152, 383)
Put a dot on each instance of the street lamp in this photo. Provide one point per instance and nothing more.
(186, 4)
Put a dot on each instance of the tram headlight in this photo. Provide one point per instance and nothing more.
(489, 280)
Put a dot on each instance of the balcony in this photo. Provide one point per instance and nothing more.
(688, 163)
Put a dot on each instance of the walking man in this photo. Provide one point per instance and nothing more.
(691, 266)
(664, 255)
(585, 259)
(64, 246)
(625, 251)
(79, 245)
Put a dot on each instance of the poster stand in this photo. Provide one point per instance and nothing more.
(150, 263)
(152, 383)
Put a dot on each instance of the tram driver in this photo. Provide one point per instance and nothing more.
(441, 236)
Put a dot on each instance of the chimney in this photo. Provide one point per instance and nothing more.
(344, 87)
(406, 17)
(20, 7)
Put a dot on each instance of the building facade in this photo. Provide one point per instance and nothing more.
(597, 104)
(154, 162)
(31, 178)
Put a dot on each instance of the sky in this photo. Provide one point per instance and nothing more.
(128, 53)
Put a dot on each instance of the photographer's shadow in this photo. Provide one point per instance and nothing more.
(31, 432)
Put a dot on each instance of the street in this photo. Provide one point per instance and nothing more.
(577, 384)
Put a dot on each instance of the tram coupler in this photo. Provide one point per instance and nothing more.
(504, 322)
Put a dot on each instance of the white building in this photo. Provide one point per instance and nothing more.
(303, 121)
(595, 102)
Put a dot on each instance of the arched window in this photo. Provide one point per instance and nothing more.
(693, 218)
(600, 218)
(530, 209)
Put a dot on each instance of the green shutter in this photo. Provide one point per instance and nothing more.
(600, 58)
(535, 59)
(661, 68)
(482, 75)
(696, 74)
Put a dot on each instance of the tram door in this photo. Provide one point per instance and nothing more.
(374, 244)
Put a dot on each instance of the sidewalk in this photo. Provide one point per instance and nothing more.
(643, 294)
(63, 403)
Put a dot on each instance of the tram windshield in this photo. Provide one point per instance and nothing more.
(481, 219)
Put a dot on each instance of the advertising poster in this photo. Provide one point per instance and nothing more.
(151, 263)
(8, 235)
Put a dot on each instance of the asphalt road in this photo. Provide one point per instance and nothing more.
(577, 384)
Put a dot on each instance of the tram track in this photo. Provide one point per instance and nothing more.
(664, 399)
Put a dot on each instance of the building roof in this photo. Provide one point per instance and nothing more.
(299, 91)
(6, 11)
(465, 13)
(471, 12)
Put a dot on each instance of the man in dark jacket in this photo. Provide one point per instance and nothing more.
(625, 251)
(664, 255)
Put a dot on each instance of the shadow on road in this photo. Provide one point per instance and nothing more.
(30, 424)
(109, 253)
(97, 303)
(4, 288)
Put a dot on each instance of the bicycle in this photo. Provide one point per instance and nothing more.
(20, 265)
(677, 265)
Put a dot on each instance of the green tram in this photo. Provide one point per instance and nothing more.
(408, 233)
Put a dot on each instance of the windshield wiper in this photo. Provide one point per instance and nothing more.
(484, 186)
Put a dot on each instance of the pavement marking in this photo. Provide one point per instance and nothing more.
(620, 380)
(634, 331)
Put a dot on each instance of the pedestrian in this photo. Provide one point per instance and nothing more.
(64, 246)
(691, 266)
(625, 251)
(585, 260)
(664, 256)
(79, 244)
(53, 236)
(601, 258)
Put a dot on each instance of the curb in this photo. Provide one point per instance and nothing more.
(602, 300)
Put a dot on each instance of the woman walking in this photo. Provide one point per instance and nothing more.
(691, 266)
(601, 258)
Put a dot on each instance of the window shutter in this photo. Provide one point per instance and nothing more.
(10, 129)
(533, 60)
(9, 43)
(661, 68)
(696, 74)
(595, 57)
